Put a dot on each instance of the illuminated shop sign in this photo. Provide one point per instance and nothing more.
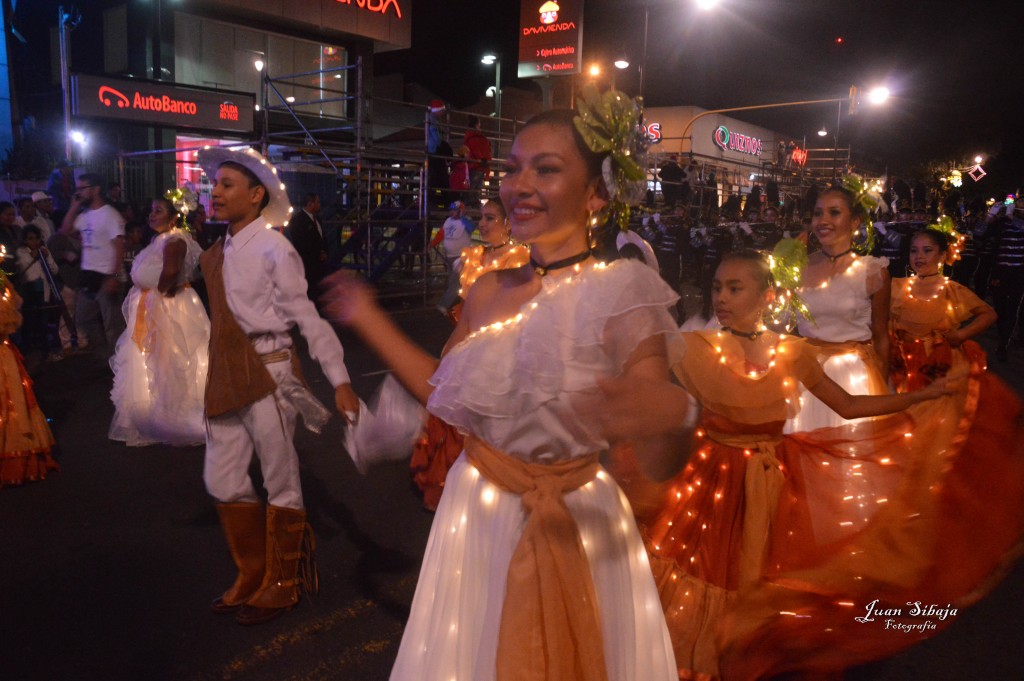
(550, 37)
(734, 141)
(379, 6)
(387, 22)
(158, 104)
(653, 132)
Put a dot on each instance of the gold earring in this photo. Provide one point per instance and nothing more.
(593, 220)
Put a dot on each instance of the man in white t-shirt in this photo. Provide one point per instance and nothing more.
(98, 304)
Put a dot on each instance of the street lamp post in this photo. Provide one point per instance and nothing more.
(493, 59)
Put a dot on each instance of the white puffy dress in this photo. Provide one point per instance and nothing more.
(514, 387)
(842, 312)
(160, 361)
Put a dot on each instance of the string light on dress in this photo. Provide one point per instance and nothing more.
(599, 266)
(937, 294)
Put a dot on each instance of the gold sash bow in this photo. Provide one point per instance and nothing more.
(550, 624)
(762, 484)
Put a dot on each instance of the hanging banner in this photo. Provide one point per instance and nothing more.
(550, 38)
(162, 104)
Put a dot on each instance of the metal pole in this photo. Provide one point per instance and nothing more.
(497, 102)
(643, 53)
(65, 77)
(805, 102)
(835, 155)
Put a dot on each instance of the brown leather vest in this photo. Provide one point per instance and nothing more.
(237, 376)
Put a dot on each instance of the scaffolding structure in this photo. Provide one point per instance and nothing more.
(380, 210)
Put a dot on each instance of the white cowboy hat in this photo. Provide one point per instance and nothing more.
(279, 210)
(631, 237)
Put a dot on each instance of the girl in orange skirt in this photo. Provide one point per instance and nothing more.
(25, 438)
(932, 319)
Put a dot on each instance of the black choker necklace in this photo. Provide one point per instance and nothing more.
(753, 335)
(541, 270)
(925, 276)
(494, 247)
(833, 258)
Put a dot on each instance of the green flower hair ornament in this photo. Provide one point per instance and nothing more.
(787, 262)
(610, 123)
(184, 201)
(865, 200)
(954, 239)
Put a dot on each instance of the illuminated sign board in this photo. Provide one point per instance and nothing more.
(734, 141)
(379, 6)
(161, 104)
(550, 37)
(653, 132)
(387, 22)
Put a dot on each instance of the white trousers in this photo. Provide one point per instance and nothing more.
(266, 427)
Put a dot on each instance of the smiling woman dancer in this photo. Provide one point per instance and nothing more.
(534, 568)
(848, 298)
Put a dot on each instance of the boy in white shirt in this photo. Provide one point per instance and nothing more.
(257, 293)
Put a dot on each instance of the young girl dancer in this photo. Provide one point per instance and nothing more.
(25, 438)
(933, 318)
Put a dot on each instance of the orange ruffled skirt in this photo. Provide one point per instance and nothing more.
(25, 437)
(768, 548)
(433, 455)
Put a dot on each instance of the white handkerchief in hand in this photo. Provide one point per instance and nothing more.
(387, 429)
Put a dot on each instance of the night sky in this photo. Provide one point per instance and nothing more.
(953, 67)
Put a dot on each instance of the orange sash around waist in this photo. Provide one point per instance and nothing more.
(550, 624)
(141, 328)
(762, 484)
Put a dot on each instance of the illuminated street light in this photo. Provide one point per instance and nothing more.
(878, 95)
(621, 63)
(258, 63)
(978, 159)
(493, 60)
(822, 132)
(78, 137)
(594, 71)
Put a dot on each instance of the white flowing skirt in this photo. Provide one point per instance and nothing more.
(452, 632)
(851, 373)
(158, 390)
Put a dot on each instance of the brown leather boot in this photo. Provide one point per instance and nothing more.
(289, 561)
(245, 529)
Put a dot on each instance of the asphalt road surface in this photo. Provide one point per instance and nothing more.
(108, 567)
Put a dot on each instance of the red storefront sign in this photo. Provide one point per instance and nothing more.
(162, 104)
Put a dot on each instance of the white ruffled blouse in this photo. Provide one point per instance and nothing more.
(514, 385)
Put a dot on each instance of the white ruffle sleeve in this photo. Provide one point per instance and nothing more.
(512, 383)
